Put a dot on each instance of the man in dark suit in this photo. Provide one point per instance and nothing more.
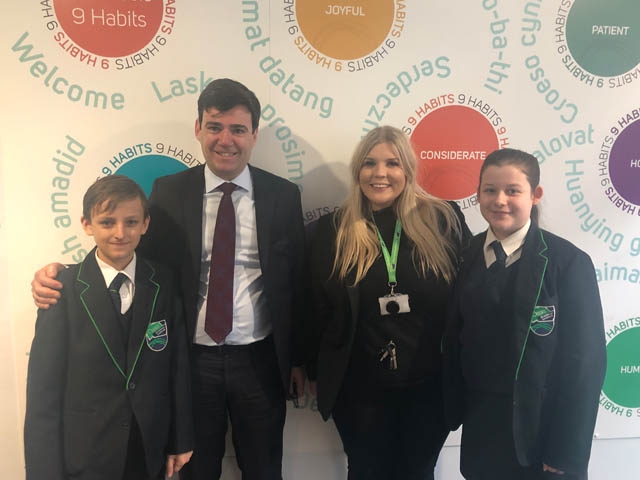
(246, 375)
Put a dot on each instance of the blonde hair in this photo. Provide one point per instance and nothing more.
(430, 223)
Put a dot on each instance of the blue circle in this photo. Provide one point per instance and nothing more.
(146, 168)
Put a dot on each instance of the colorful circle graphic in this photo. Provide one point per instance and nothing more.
(451, 144)
(110, 29)
(622, 381)
(146, 168)
(624, 163)
(604, 37)
(345, 31)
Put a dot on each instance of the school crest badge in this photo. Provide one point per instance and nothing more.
(157, 336)
(543, 320)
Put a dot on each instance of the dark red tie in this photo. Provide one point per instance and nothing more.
(219, 318)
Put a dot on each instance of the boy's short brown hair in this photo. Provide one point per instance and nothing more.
(106, 193)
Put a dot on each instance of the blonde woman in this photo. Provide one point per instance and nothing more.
(382, 268)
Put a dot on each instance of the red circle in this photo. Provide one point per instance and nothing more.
(110, 29)
(458, 131)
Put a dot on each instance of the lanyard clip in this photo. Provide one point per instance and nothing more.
(392, 286)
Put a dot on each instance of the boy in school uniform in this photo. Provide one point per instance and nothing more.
(108, 386)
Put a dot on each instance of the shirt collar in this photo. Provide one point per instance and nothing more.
(510, 244)
(110, 273)
(212, 181)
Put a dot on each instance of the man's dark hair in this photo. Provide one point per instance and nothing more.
(223, 94)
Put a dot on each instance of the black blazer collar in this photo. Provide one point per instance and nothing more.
(264, 200)
(96, 301)
(192, 202)
(143, 309)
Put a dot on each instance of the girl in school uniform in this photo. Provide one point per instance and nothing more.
(524, 346)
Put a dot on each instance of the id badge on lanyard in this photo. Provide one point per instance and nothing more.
(393, 302)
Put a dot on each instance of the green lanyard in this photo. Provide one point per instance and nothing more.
(391, 260)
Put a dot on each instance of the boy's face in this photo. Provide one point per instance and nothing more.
(506, 199)
(117, 233)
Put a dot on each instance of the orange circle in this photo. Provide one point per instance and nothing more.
(110, 29)
(345, 31)
(457, 131)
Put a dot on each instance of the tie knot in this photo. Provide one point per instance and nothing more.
(501, 255)
(227, 187)
(117, 282)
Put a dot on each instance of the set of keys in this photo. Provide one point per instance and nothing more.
(389, 351)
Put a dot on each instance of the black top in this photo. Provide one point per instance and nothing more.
(416, 334)
(347, 331)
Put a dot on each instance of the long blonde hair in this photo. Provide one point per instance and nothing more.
(430, 223)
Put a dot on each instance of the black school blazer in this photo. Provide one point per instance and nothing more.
(85, 380)
(559, 330)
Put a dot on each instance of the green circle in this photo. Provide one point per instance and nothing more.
(622, 382)
(598, 48)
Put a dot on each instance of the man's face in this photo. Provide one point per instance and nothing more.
(227, 140)
(117, 233)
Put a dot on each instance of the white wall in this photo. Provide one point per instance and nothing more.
(465, 76)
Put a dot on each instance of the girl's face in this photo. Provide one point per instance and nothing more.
(506, 199)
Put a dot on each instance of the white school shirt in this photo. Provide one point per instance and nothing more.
(512, 245)
(127, 289)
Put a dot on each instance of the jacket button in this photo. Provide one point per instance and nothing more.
(132, 386)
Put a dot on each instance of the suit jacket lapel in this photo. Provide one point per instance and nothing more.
(193, 197)
(96, 301)
(470, 256)
(264, 204)
(528, 284)
(143, 306)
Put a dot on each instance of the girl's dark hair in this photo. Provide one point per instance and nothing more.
(522, 160)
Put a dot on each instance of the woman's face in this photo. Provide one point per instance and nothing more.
(382, 178)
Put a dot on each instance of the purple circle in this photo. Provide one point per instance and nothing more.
(624, 163)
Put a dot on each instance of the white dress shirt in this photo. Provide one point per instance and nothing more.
(249, 306)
